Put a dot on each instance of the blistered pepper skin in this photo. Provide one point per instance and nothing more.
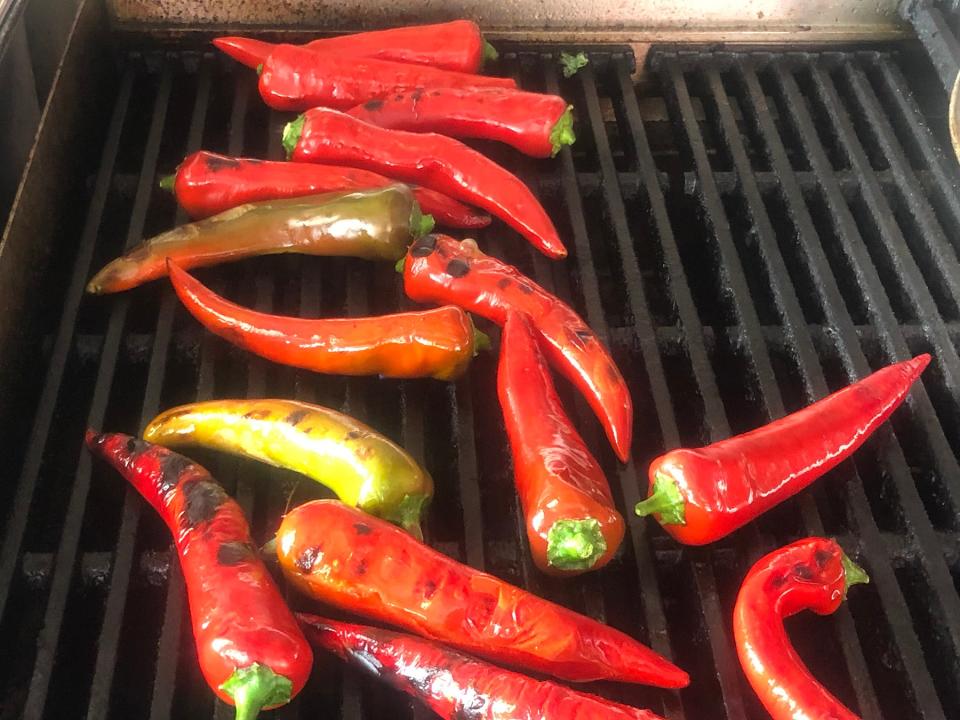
(454, 685)
(811, 574)
(241, 624)
(338, 555)
(364, 468)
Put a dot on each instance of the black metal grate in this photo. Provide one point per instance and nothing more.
(747, 231)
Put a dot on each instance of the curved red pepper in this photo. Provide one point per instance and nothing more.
(534, 123)
(360, 563)
(703, 494)
(454, 685)
(572, 525)
(812, 574)
(207, 184)
(439, 269)
(295, 78)
(251, 650)
(434, 161)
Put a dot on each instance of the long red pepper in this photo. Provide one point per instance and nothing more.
(295, 78)
(534, 123)
(441, 270)
(700, 495)
(251, 650)
(434, 161)
(207, 184)
(456, 686)
(811, 574)
(457, 45)
(357, 562)
(572, 524)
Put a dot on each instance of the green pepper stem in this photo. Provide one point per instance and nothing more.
(408, 514)
(575, 544)
(562, 132)
(291, 135)
(269, 549)
(572, 63)
(167, 181)
(481, 341)
(399, 266)
(853, 574)
(260, 69)
(489, 53)
(665, 501)
(256, 687)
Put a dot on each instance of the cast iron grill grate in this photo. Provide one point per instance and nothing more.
(747, 231)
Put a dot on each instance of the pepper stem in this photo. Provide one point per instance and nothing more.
(665, 500)
(572, 63)
(260, 69)
(420, 223)
(562, 133)
(853, 574)
(167, 181)
(575, 544)
(481, 341)
(399, 266)
(489, 53)
(291, 135)
(408, 513)
(256, 687)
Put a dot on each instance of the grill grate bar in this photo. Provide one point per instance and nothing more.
(938, 37)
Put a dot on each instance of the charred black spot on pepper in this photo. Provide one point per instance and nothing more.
(822, 557)
(473, 711)
(503, 283)
(305, 560)
(416, 94)
(296, 416)
(361, 569)
(173, 466)
(98, 439)
(429, 589)
(362, 528)
(354, 435)
(779, 581)
(373, 105)
(457, 268)
(132, 445)
(257, 414)
(803, 571)
(234, 552)
(203, 498)
(424, 246)
(525, 288)
(398, 97)
(219, 162)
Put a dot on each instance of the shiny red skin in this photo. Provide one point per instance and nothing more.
(454, 685)
(456, 45)
(556, 476)
(207, 184)
(345, 558)
(727, 484)
(806, 575)
(434, 161)
(296, 78)
(238, 615)
(442, 270)
(523, 120)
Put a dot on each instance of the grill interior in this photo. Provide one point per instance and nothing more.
(747, 231)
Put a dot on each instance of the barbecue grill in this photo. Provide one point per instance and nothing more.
(749, 229)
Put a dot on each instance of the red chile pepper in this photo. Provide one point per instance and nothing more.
(295, 78)
(572, 525)
(534, 123)
(251, 650)
(434, 161)
(456, 45)
(342, 557)
(439, 269)
(812, 574)
(454, 685)
(438, 343)
(703, 494)
(208, 184)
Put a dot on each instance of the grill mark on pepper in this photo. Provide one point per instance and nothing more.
(473, 711)
(257, 414)
(457, 268)
(503, 283)
(361, 569)
(233, 553)
(424, 246)
(173, 466)
(203, 498)
(218, 162)
(429, 589)
(373, 105)
(416, 94)
(362, 528)
(306, 559)
(822, 557)
(355, 435)
(803, 571)
(296, 416)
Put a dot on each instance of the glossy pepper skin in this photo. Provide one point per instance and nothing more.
(571, 522)
(371, 224)
(364, 468)
(700, 495)
(454, 685)
(811, 574)
(251, 649)
(535, 124)
(338, 555)
(294, 78)
(439, 269)
(436, 343)
(434, 161)
(457, 45)
(207, 184)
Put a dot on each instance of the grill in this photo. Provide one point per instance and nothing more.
(748, 231)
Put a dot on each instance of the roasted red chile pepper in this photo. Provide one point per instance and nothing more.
(812, 574)
(535, 124)
(433, 161)
(295, 78)
(571, 522)
(208, 184)
(456, 686)
(441, 270)
(700, 495)
(251, 649)
(456, 45)
(438, 343)
(338, 555)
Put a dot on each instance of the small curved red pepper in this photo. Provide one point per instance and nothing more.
(700, 495)
(206, 184)
(811, 574)
(441, 270)
(454, 685)
(572, 524)
(533, 123)
(251, 649)
(430, 160)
